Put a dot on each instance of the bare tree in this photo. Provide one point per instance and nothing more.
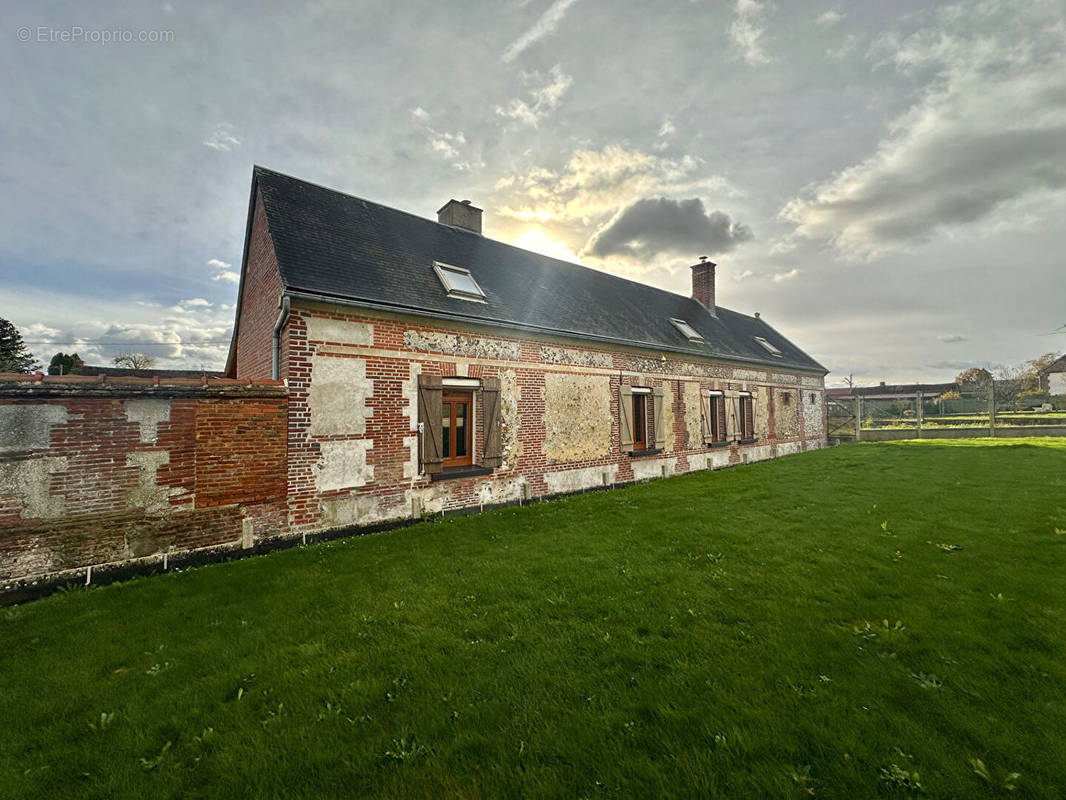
(133, 361)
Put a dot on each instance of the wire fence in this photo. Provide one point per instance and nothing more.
(996, 408)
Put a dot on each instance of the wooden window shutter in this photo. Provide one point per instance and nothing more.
(721, 419)
(490, 416)
(660, 432)
(429, 416)
(747, 404)
(625, 418)
(706, 409)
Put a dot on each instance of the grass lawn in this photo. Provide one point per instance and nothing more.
(848, 623)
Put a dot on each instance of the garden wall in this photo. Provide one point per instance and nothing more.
(115, 471)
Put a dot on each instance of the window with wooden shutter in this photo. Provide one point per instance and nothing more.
(706, 410)
(429, 419)
(714, 417)
(625, 418)
(658, 401)
(491, 422)
(747, 418)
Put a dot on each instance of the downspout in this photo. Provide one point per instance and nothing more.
(275, 369)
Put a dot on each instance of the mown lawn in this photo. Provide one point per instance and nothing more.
(828, 624)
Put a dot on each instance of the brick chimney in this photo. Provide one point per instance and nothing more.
(703, 283)
(460, 214)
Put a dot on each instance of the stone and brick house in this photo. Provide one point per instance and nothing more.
(430, 367)
(1053, 377)
(384, 367)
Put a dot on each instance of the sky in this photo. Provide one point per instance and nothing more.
(884, 182)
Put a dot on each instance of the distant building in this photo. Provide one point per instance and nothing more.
(1053, 377)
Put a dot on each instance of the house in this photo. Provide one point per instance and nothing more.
(1053, 377)
(430, 367)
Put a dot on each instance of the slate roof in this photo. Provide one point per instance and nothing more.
(335, 245)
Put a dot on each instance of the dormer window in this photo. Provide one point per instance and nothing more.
(686, 330)
(458, 282)
(769, 348)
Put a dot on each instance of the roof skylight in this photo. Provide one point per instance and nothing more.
(769, 347)
(458, 282)
(686, 330)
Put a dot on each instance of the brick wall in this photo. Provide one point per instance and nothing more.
(352, 434)
(260, 293)
(98, 473)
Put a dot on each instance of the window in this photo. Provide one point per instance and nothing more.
(686, 330)
(747, 418)
(786, 399)
(769, 348)
(456, 429)
(640, 426)
(716, 416)
(640, 422)
(814, 398)
(458, 282)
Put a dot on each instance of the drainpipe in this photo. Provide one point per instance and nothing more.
(275, 369)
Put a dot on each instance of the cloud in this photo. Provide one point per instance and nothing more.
(596, 183)
(667, 128)
(547, 23)
(224, 273)
(986, 134)
(446, 144)
(653, 226)
(419, 113)
(786, 276)
(222, 138)
(195, 302)
(829, 18)
(544, 99)
(747, 30)
(951, 338)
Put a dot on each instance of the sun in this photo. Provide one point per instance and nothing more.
(538, 241)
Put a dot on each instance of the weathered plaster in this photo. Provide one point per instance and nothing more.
(149, 412)
(338, 395)
(460, 345)
(762, 452)
(358, 509)
(502, 491)
(648, 468)
(29, 427)
(409, 409)
(339, 331)
(812, 414)
(148, 494)
(510, 396)
(577, 417)
(30, 481)
(573, 480)
(582, 358)
(690, 393)
(667, 417)
(786, 418)
(712, 459)
(788, 448)
(343, 465)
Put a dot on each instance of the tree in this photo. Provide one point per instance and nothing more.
(133, 361)
(63, 364)
(14, 357)
(978, 375)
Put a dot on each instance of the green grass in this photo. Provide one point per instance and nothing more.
(799, 627)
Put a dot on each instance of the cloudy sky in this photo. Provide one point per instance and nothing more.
(884, 182)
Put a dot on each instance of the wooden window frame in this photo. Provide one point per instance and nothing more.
(452, 398)
(640, 421)
(746, 421)
(716, 414)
